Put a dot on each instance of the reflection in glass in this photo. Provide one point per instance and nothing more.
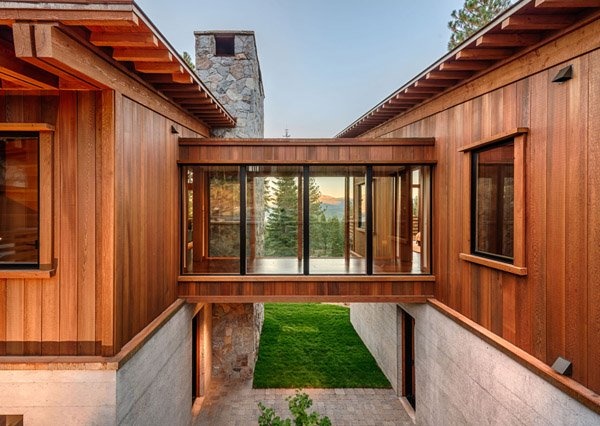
(19, 219)
(212, 208)
(401, 209)
(274, 220)
(337, 240)
(494, 206)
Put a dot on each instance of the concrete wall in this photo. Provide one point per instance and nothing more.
(460, 379)
(155, 386)
(59, 397)
(375, 323)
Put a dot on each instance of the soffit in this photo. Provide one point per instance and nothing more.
(119, 29)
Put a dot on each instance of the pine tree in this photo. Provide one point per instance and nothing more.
(188, 60)
(473, 16)
(281, 237)
(318, 221)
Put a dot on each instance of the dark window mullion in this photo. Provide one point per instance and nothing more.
(369, 230)
(305, 219)
(242, 220)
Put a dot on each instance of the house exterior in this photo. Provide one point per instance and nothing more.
(134, 209)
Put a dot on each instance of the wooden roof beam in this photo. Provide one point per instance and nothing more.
(508, 40)
(36, 45)
(122, 39)
(448, 75)
(104, 18)
(430, 90)
(435, 83)
(479, 54)
(183, 78)
(158, 67)
(464, 65)
(21, 72)
(142, 55)
(536, 22)
(566, 3)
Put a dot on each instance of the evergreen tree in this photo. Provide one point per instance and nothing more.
(188, 60)
(281, 236)
(318, 221)
(473, 16)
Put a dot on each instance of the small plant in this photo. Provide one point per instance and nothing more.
(298, 405)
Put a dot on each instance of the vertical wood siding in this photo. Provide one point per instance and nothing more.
(555, 309)
(115, 206)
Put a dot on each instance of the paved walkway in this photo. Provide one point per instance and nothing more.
(237, 405)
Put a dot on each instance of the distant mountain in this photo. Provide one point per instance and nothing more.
(332, 206)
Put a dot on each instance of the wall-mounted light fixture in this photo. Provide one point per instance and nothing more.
(563, 366)
(174, 130)
(563, 75)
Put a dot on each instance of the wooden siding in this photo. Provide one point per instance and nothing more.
(58, 315)
(115, 214)
(146, 216)
(307, 151)
(306, 289)
(555, 309)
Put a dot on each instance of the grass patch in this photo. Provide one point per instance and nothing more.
(307, 345)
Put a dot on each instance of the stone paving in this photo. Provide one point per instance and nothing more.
(236, 404)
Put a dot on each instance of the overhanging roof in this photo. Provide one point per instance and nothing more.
(119, 29)
(521, 28)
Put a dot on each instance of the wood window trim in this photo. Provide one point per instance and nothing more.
(47, 265)
(518, 266)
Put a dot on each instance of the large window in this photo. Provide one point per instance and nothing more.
(19, 201)
(493, 201)
(299, 220)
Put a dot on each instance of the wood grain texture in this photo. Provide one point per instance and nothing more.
(545, 303)
(112, 158)
(593, 225)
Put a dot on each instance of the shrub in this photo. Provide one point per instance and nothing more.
(298, 405)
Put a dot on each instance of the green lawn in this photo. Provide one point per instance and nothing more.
(313, 346)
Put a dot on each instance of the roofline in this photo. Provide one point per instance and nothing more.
(450, 56)
(68, 6)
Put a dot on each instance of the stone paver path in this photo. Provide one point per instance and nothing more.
(236, 404)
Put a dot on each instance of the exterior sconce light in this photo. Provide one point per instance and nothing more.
(563, 366)
(563, 75)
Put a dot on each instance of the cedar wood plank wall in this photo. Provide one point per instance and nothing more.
(73, 313)
(554, 310)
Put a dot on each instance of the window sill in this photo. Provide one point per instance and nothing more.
(494, 264)
(26, 273)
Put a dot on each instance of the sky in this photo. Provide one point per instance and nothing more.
(324, 62)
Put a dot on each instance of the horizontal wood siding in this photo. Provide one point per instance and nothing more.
(363, 153)
(554, 309)
(373, 290)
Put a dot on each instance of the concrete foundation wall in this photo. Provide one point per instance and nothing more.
(60, 397)
(375, 323)
(155, 386)
(460, 379)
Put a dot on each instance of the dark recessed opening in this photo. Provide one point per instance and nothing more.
(224, 45)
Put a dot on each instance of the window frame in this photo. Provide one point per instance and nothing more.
(368, 229)
(46, 265)
(516, 265)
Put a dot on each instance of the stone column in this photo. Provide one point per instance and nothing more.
(235, 80)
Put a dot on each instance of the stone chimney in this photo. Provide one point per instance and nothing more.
(227, 62)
